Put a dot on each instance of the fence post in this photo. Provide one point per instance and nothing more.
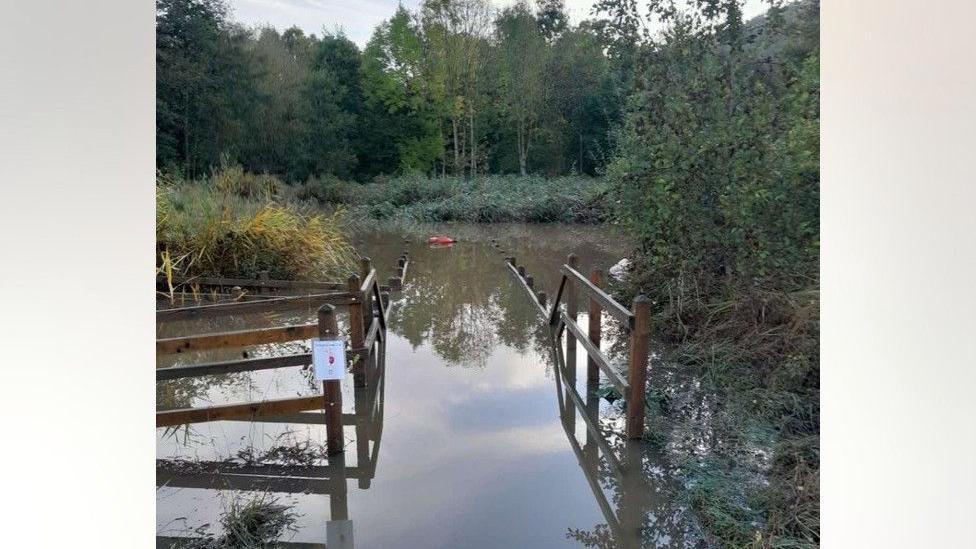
(571, 309)
(595, 314)
(638, 366)
(357, 330)
(331, 390)
(530, 281)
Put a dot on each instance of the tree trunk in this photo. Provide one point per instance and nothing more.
(521, 148)
(474, 148)
(457, 145)
(580, 167)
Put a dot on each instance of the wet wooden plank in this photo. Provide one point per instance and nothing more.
(231, 366)
(598, 357)
(610, 305)
(252, 283)
(254, 305)
(240, 338)
(169, 418)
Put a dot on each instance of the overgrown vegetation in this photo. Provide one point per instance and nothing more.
(231, 225)
(481, 200)
(717, 175)
(252, 522)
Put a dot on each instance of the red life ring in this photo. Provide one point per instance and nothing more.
(440, 240)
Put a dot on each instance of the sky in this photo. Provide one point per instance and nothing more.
(358, 18)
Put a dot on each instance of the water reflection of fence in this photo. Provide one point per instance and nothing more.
(329, 479)
(636, 323)
(625, 523)
(367, 304)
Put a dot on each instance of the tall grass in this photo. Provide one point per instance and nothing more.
(486, 199)
(230, 225)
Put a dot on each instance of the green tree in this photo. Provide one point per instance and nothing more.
(203, 84)
(522, 54)
(399, 96)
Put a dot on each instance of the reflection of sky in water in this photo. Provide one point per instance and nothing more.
(473, 452)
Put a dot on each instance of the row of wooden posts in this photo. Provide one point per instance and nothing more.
(363, 297)
(635, 321)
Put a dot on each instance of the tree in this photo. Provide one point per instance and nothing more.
(202, 84)
(336, 105)
(457, 31)
(552, 18)
(398, 96)
(522, 55)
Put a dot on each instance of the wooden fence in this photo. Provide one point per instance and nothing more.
(635, 322)
(367, 304)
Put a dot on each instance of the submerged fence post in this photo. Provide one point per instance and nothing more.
(637, 374)
(331, 390)
(357, 330)
(592, 370)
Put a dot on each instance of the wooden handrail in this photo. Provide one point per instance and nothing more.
(220, 309)
(240, 338)
(608, 303)
(535, 300)
(368, 282)
(252, 283)
(231, 366)
(595, 353)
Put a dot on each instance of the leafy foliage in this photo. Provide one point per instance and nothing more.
(717, 176)
(453, 88)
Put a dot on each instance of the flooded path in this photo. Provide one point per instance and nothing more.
(480, 445)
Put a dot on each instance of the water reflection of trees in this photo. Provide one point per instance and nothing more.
(460, 302)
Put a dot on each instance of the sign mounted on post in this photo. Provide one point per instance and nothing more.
(329, 359)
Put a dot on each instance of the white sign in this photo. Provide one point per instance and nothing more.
(329, 359)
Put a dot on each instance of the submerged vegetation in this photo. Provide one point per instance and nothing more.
(252, 522)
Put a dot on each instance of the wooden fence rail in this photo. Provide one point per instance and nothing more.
(636, 322)
(254, 305)
(368, 306)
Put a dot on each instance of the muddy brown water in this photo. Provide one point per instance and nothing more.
(476, 440)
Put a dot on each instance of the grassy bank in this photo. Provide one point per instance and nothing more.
(485, 199)
(736, 391)
(236, 225)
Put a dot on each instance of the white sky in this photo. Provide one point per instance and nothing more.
(359, 18)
